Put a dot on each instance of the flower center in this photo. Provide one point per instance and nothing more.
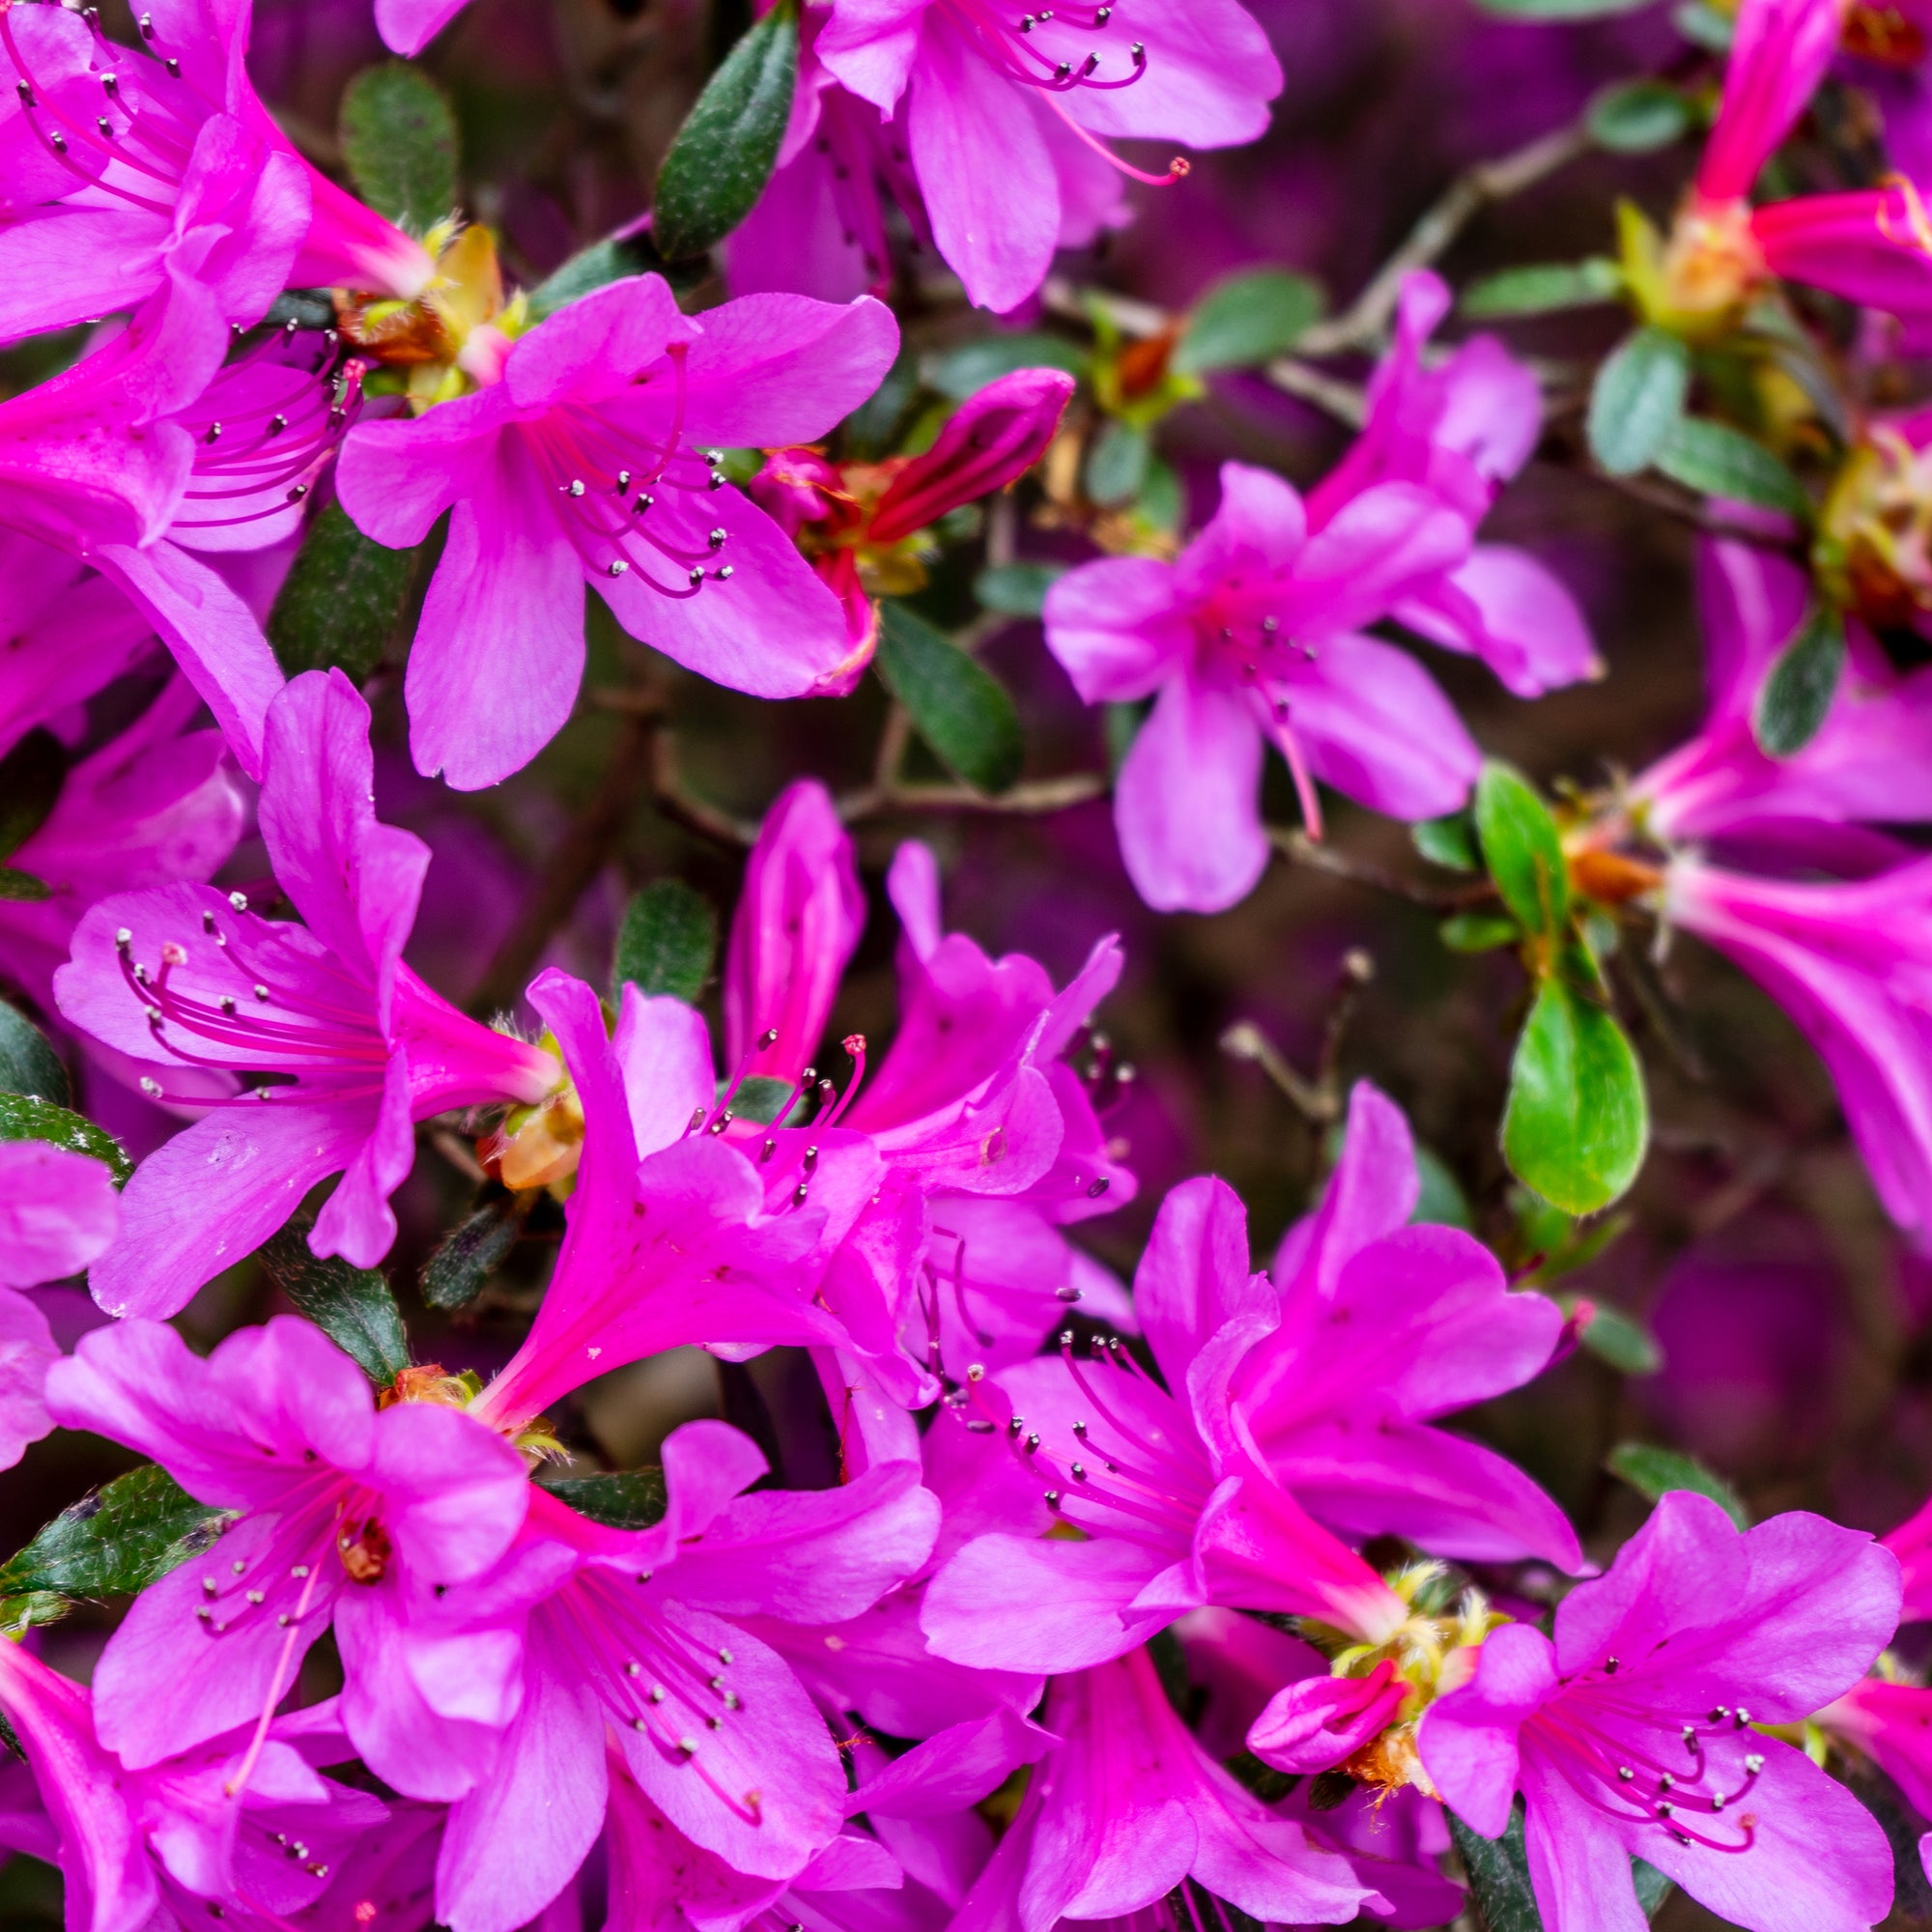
(1883, 34)
(1874, 546)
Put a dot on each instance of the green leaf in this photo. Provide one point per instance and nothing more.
(306, 309)
(1704, 26)
(963, 711)
(1559, 10)
(473, 1251)
(1499, 1875)
(28, 1064)
(1440, 1200)
(1652, 1887)
(342, 601)
(1637, 400)
(633, 1500)
(1477, 931)
(352, 1306)
(1614, 1337)
(16, 883)
(615, 259)
(1539, 288)
(1522, 849)
(759, 1098)
(1577, 1121)
(1654, 1472)
(1637, 115)
(722, 155)
(1717, 460)
(965, 371)
(667, 943)
(1116, 462)
(22, 1118)
(1244, 320)
(1449, 842)
(1797, 693)
(31, 776)
(113, 1543)
(399, 139)
(1159, 502)
(1016, 589)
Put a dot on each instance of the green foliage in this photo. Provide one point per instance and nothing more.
(342, 601)
(1016, 589)
(961, 710)
(399, 138)
(1522, 850)
(1116, 462)
(1577, 1119)
(1449, 842)
(1560, 10)
(1542, 287)
(1717, 460)
(352, 1306)
(28, 1064)
(31, 776)
(1637, 400)
(759, 1098)
(22, 1118)
(16, 883)
(965, 371)
(667, 943)
(1498, 1874)
(1245, 319)
(613, 259)
(1615, 1338)
(1637, 115)
(1654, 1472)
(113, 1543)
(1477, 933)
(473, 1251)
(1797, 693)
(724, 154)
(632, 1500)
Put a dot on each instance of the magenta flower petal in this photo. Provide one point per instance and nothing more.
(1779, 56)
(58, 1211)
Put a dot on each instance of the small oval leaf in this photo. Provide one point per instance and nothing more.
(724, 154)
(31, 776)
(344, 598)
(352, 1306)
(667, 943)
(399, 138)
(1522, 849)
(1637, 400)
(1654, 1472)
(1795, 695)
(24, 1117)
(632, 1500)
(1637, 117)
(28, 1063)
(961, 710)
(1245, 320)
(1539, 288)
(1717, 460)
(113, 1543)
(1577, 1119)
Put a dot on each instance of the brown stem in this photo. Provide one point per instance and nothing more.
(1041, 795)
(1317, 856)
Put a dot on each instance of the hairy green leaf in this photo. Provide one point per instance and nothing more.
(961, 710)
(1499, 1875)
(1522, 849)
(1016, 589)
(1654, 1472)
(1245, 319)
(962, 372)
(667, 943)
(342, 600)
(1795, 695)
(473, 1251)
(31, 776)
(1116, 462)
(1449, 842)
(724, 154)
(399, 138)
(352, 1306)
(1717, 460)
(1636, 116)
(28, 1064)
(112, 1543)
(1637, 400)
(22, 1118)
(1542, 287)
(632, 1500)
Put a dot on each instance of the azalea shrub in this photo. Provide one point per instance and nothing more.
(965, 972)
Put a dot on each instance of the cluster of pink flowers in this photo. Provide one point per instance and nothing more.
(1164, 1606)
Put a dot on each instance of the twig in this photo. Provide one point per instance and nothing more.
(578, 858)
(1694, 511)
(1299, 849)
(1357, 970)
(1365, 318)
(678, 805)
(1346, 402)
(1244, 1040)
(1041, 795)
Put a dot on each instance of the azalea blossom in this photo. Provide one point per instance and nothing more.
(582, 458)
(123, 161)
(1632, 1733)
(340, 1514)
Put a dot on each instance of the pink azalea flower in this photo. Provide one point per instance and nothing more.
(988, 1139)
(1870, 760)
(1852, 964)
(674, 1237)
(1317, 1722)
(121, 161)
(820, 228)
(986, 104)
(1128, 1814)
(1385, 1326)
(1872, 246)
(346, 1046)
(1891, 1724)
(344, 1513)
(153, 804)
(580, 459)
(241, 1831)
(638, 1634)
(58, 1211)
(866, 518)
(1461, 429)
(1631, 1735)
(1253, 637)
(1912, 1543)
(151, 449)
(1174, 1508)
